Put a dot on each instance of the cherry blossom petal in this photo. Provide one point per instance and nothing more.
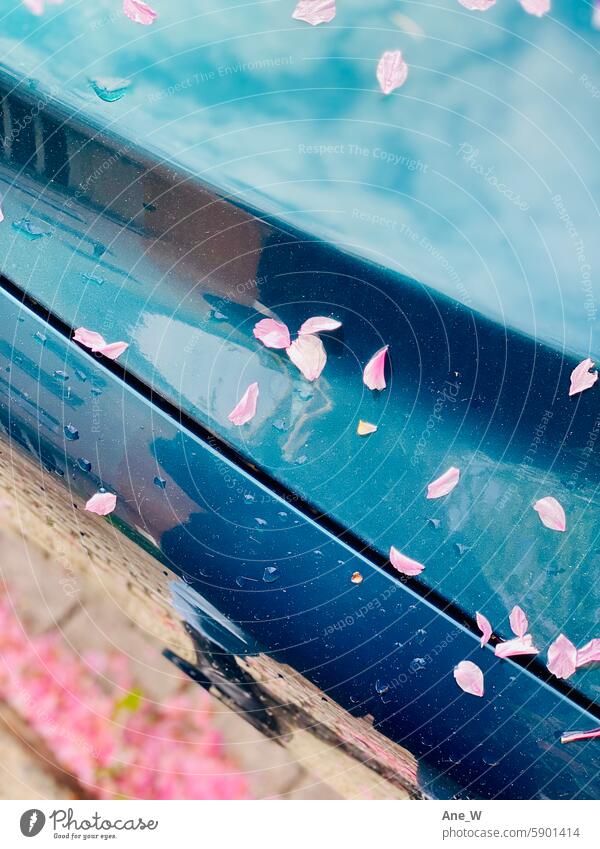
(101, 503)
(315, 11)
(273, 334)
(308, 354)
(392, 71)
(551, 513)
(477, 5)
(562, 657)
(515, 648)
(89, 338)
(1, 214)
(590, 653)
(319, 324)
(245, 409)
(113, 349)
(404, 564)
(572, 736)
(469, 677)
(139, 13)
(374, 372)
(444, 484)
(364, 428)
(484, 626)
(582, 378)
(536, 7)
(518, 621)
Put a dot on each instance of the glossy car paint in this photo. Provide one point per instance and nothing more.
(116, 219)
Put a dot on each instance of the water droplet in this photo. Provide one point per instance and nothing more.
(420, 636)
(270, 574)
(80, 375)
(417, 664)
(39, 337)
(159, 482)
(84, 464)
(260, 522)
(60, 375)
(243, 581)
(99, 250)
(460, 548)
(280, 425)
(95, 391)
(216, 315)
(71, 432)
(282, 515)
(110, 89)
(91, 278)
(381, 687)
(249, 497)
(356, 578)
(302, 459)
(435, 522)
(30, 230)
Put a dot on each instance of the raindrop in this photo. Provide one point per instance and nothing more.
(356, 578)
(280, 425)
(420, 636)
(435, 522)
(110, 89)
(301, 460)
(270, 574)
(99, 249)
(60, 375)
(381, 687)
(260, 522)
(282, 515)
(249, 497)
(39, 337)
(460, 548)
(417, 664)
(96, 391)
(71, 432)
(216, 315)
(159, 482)
(80, 375)
(91, 278)
(84, 464)
(30, 230)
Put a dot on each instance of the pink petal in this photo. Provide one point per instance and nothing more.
(89, 338)
(392, 71)
(477, 5)
(582, 378)
(562, 657)
(1, 214)
(308, 354)
(469, 677)
(113, 349)
(139, 13)
(536, 7)
(102, 503)
(404, 564)
(319, 324)
(315, 11)
(572, 736)
(365, 428)
(590, 653)
(444, 484)
(245, 409)
(518, 621)
(516, 647)
(374, 372)
(273, 334)
(551, 513)
(484, 626)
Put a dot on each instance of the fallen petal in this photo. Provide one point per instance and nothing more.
(484, 626)
(365, 428)
(315, 11)
(518, 621)
(590, 653)
(469, 677)
(245, 409)
(444, 484)
(113, 349)
(374, 372)
(308, 354)
(477, 5)
(551, 513)
(515, 648)
(562, 657)
(101, 503)
(536, 7)
(392, 71)
(139, 13)
(273, 334)
(89, 338)
(572, 736)
(582, 378)
(1, 214)
(404, 564)
(319, 324)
